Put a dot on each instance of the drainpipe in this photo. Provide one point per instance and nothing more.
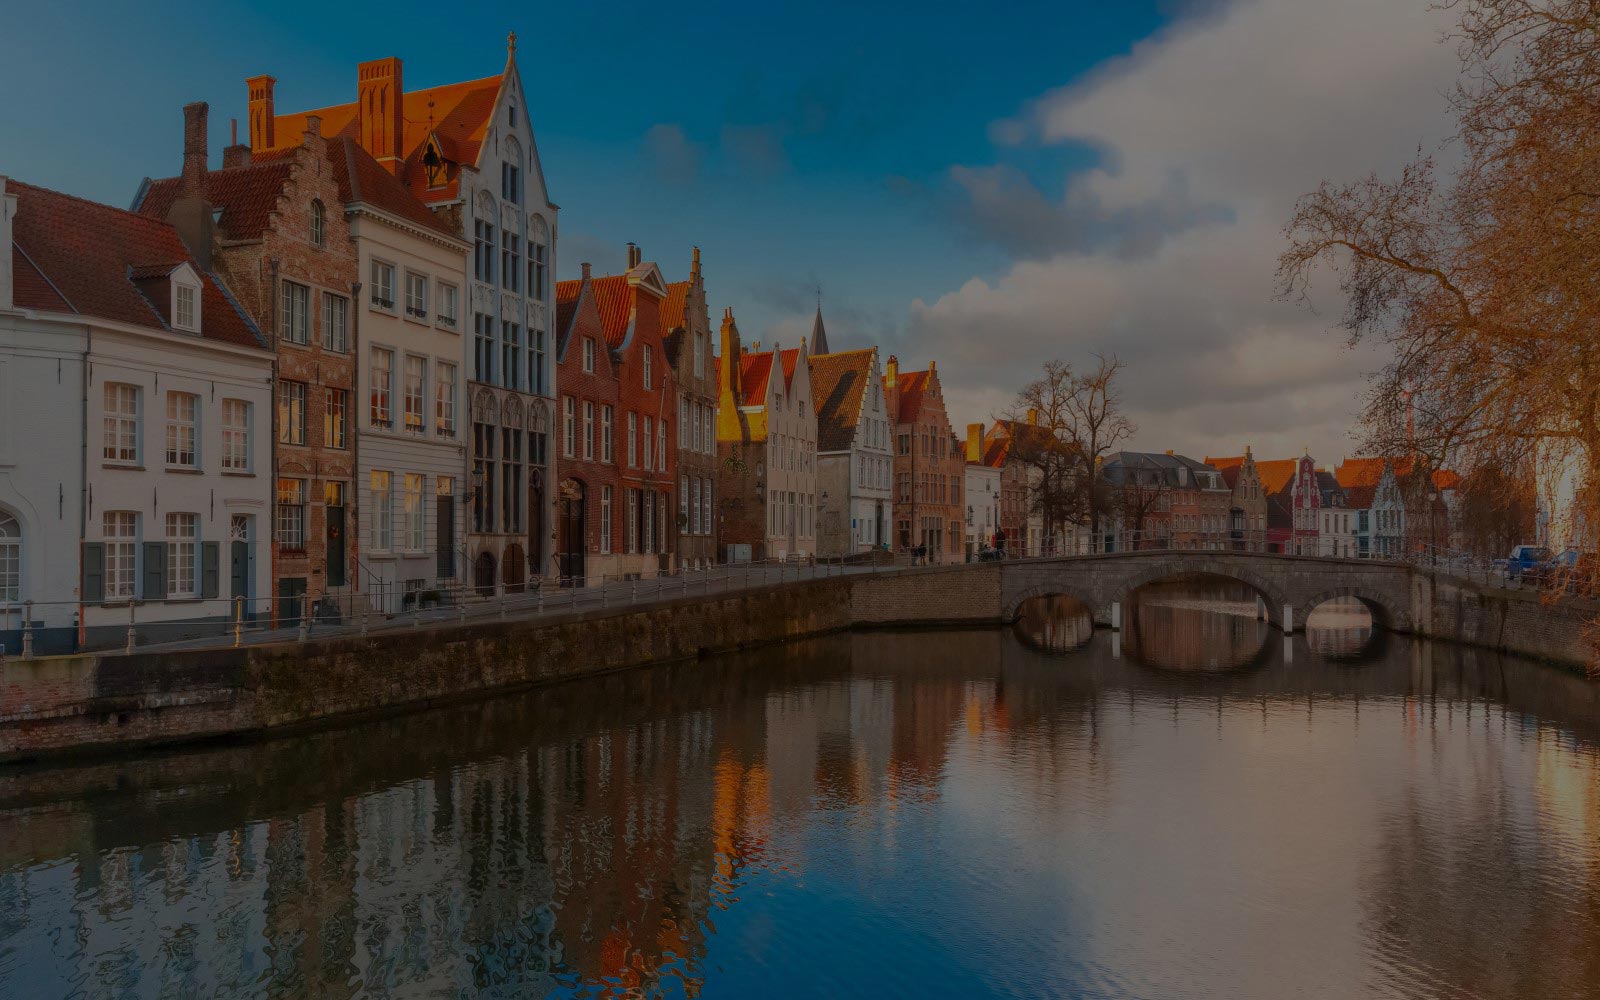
(270, 530)
(83, 478)
(351, 503)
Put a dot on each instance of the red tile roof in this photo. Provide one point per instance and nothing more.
(1229, 467)
(81, 255)
(615, 298)
(674, 306)
(838, 382)
(458, 114)
(1363, 471)
(754, 371)
(1447, 479)
(912, 386)
(791, 358)
(248, 195)
(1277, 475)
(1359, 497)
(567, 295)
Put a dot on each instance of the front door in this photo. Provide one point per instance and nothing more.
(336, 568)
(291, 600)
(240, 563)
(444, 533)
(573, 532)
(536, 566)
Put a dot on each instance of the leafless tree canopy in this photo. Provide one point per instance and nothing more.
(1079, 420)
(1483, 281)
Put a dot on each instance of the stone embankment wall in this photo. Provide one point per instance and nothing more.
(98, 703)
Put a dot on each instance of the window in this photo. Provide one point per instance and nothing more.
(482, 477)
(416, 392)
(182, 532)
(588, 355)
(683, 501)
(382, 412)
(413, 512)
(416, 295)
(511, 348)
(648, 427)
(122, 423)
(295, 314)
(291, 412)
(661, 445)
(511, 175)
(605, 520)
(705, 511)
(382, 513)
(235, 435)
(633, 439)
(319, 220)
(185, 306)
(569, 430)
(336, 323)
(684, 422)
(121, 529)
(483, 253)
(444, 400)
(699, 355)
(588, 431)
(447, 305)
(633, 519)
(511, 261)
(606, 453)
(647, 366)
(511, 477)
(382, 285)
(183, 411)
(482, 347)
(291, 514)
(538, 276)
(336, 418)
(538, 448)
(536, 359)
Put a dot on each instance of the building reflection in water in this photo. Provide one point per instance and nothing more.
(1057, 623)
(1341, 629)
(880, 814)
(1205, 625)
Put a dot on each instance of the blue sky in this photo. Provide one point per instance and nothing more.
(986, 185)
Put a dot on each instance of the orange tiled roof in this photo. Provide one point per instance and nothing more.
(838, 381)
(1447, 479)
(458, 112)
(615, 298)
(1362, 471)
(1277, 475)
(1229, 467)
(754, 371)
(1358, 497)
(673, 306)
(912, 386)
(85, 257)
(567, 294)
(791, 358)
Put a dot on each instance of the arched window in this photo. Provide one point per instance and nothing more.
(318, 223)
(10, 559)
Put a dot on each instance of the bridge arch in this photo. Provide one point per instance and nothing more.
(1063, 588)
(1264, 588)
(1386, 613)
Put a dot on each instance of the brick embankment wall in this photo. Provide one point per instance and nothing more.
(101, 703)
(968, 594)
(1515, 622)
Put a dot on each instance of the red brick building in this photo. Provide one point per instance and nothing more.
(617, 446)
(686, 320)
(929, 466)
(1293, 500)
(280, 240)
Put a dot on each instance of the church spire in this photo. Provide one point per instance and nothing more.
(819, 335)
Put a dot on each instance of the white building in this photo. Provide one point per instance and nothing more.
(144, 486)
(412, 441)
(982, 494)
(855, 464)
(1338, 524)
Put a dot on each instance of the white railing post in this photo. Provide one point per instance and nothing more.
(27, 630)
(132, 636)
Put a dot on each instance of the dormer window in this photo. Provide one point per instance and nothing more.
(318, 224)
(186, 306)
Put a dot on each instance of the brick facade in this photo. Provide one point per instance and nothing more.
(929, 467)
(686, 320)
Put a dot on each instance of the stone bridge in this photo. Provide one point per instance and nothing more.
(1290, 586)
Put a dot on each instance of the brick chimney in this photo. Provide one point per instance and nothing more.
(635, 256)
(379, 95)
(195, 118)
(974, 443)
(235, 154)
(891, 388)
(8, 213)
(263, 126)
(731, 352)
(586, 270)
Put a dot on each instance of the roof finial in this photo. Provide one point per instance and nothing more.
(511, 43)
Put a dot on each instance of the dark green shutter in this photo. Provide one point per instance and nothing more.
(208, 569)
(94, 572)
(155, 571)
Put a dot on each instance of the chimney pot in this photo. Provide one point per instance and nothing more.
(635, 255)
(586, 270)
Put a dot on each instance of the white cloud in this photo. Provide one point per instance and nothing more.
(1241, 111)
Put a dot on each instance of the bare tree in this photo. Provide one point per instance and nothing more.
(1095, 426)
(1486, 281)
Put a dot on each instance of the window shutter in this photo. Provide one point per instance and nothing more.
(94, 572)
(155, 571)
(208, 569)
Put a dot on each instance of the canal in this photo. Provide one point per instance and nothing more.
(1195, 807)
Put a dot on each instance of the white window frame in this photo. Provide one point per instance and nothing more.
(605, 520)
(236, 435)
(381, 295)
(449, 305)
(120, 531)
(647, 365)
(122, 439)
(416, 296)
(382, 490)
(183, 555)
(380, 393)
(185, 299)
(414, 488)
(607, 436)
(588, 355)
(416, 395)
(183, 430)
(335, 323)
(444, 399)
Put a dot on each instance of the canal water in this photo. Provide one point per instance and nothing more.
(1196, 807)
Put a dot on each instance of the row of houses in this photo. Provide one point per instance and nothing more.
(335, 370)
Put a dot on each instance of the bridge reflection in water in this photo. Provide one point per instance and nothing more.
(882, 814)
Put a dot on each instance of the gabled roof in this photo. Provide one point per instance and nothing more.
(673, 306)
(1359, 497)
(615, 298)
(1230, 468)
(567, 295)
(457, 113)
(1277, 475)
(838, 384)
(1366, 471)
(791, 358)
(248, 194)
(912, 387)
(754, 372)
(84, 257)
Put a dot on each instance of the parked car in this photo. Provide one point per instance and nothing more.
(1573, 569)
(1526, 561)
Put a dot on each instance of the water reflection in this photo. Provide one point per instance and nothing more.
(1341, 629)
(1055, 623)
(877, 814)
(1195, 625)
